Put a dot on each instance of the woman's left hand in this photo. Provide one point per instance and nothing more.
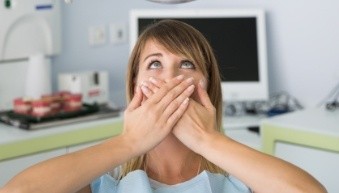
(198, 121)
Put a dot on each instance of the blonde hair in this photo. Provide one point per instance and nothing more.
(181, 39)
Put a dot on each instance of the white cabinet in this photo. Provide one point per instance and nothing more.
(322, 164)
(20, 149)
(308, 139)
(9, 168)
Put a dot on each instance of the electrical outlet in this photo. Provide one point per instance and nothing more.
(97, 35)
(118, 33)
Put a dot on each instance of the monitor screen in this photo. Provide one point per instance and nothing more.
(238, 41)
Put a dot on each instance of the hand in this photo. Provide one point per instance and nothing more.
(148, 124)
(198, 120)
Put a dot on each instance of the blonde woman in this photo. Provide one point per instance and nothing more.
(171, 140)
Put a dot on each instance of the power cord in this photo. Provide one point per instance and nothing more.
(331, 101)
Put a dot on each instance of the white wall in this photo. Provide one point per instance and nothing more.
(303, 42)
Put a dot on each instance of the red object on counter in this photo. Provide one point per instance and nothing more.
(22, 106)
(72, 102)
(55, 102)
(41, 108)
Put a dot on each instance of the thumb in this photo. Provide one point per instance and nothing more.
(203, 95)
(137, 99)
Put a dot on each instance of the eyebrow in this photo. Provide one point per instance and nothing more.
(154, 54)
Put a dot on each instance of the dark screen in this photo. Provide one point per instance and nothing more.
(234, 41)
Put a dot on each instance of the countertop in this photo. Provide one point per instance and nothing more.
(15, 142)
(316, 127)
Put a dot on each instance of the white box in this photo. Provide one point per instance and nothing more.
(92, 85)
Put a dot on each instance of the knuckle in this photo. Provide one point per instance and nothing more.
(171, 94)
(153, 114)
(175, 103)
(167, 87)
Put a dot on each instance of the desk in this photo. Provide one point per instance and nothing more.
(308, 139)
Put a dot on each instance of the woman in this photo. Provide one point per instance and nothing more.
(171, 140)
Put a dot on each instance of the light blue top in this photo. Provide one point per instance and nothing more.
(138, 181)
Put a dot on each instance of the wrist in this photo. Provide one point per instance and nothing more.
(123, 146)
(131, 145)
(208, 141)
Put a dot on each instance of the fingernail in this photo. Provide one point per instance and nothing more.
(144, 89)
(190, 88)
(180, 77)
(185, 101)
(202, 84)
(144, 83)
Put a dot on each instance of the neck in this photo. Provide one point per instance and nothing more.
(171, 162)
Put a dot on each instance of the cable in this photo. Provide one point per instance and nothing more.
(334, 92)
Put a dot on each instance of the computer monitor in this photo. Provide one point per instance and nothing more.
(238, 38)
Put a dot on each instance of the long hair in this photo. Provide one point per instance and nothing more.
(181, 39)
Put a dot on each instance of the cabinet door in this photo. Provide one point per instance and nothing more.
(322, 164)
(9, 168)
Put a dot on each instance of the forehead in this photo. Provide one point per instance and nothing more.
(150, 46)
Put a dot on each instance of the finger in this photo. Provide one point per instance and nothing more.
(203, 95)
(174, 117)
(157, 82)
(175, 92)
(151, 87)
(175, 104)
(163, 91)
(145, 90)
(137, 99)
(144, 98)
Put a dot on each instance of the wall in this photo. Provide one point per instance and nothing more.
(303, 43)
(78, 55)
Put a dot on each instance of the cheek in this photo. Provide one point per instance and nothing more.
(142, 76)
(145, 75)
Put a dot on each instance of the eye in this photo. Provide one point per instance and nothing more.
(187, 65)
(154, 65)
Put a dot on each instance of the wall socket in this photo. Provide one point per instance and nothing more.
(97, 35)
(118, 33)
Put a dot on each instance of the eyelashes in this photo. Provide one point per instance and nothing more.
(184, 64)
(154, 64)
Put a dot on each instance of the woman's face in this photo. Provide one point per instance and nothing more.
(157, 62)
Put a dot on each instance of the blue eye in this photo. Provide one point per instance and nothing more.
(154, 65)
(187, 65)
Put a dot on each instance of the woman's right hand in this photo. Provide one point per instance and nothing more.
(147, 123)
